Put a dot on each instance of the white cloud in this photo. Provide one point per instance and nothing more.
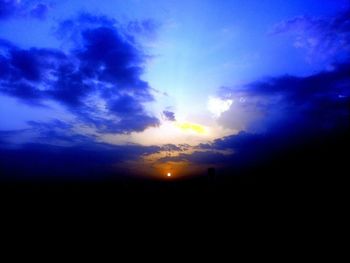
(218, 106)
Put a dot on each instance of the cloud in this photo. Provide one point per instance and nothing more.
(169, 115)
(109, 56)
(171, 148)
(318, 102)
(98, 79)
(229, 150)
(57, 149)
(198, 157)
(17, 8)
(57, 132)
(217, 106)
(191, 127)
(175, 148)
(274, 157)
(322, 37)
(86, 161)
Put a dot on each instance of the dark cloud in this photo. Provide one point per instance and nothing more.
(171, 147)
(57, 132)
(83, 21)
(69, 29)
(56, 149)
(26, 65)
(125, 105)
(110, 56)
(99, 79)
(317, 102)
(134, 123)
(87, 161)
(229, 150)
(322, 37)
(275, 157)
(169, 115)
(199, 157)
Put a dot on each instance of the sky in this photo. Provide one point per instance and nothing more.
(151, 87)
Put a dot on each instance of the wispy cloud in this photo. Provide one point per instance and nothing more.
(322, 37)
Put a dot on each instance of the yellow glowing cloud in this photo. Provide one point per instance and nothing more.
(191, 127)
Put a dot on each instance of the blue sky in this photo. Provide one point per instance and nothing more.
(112, 72)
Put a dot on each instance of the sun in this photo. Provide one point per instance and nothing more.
(169, 174)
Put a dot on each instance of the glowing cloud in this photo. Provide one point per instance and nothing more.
(218, 106)
(191, 127)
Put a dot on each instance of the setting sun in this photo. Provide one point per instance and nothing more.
(168, 174)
